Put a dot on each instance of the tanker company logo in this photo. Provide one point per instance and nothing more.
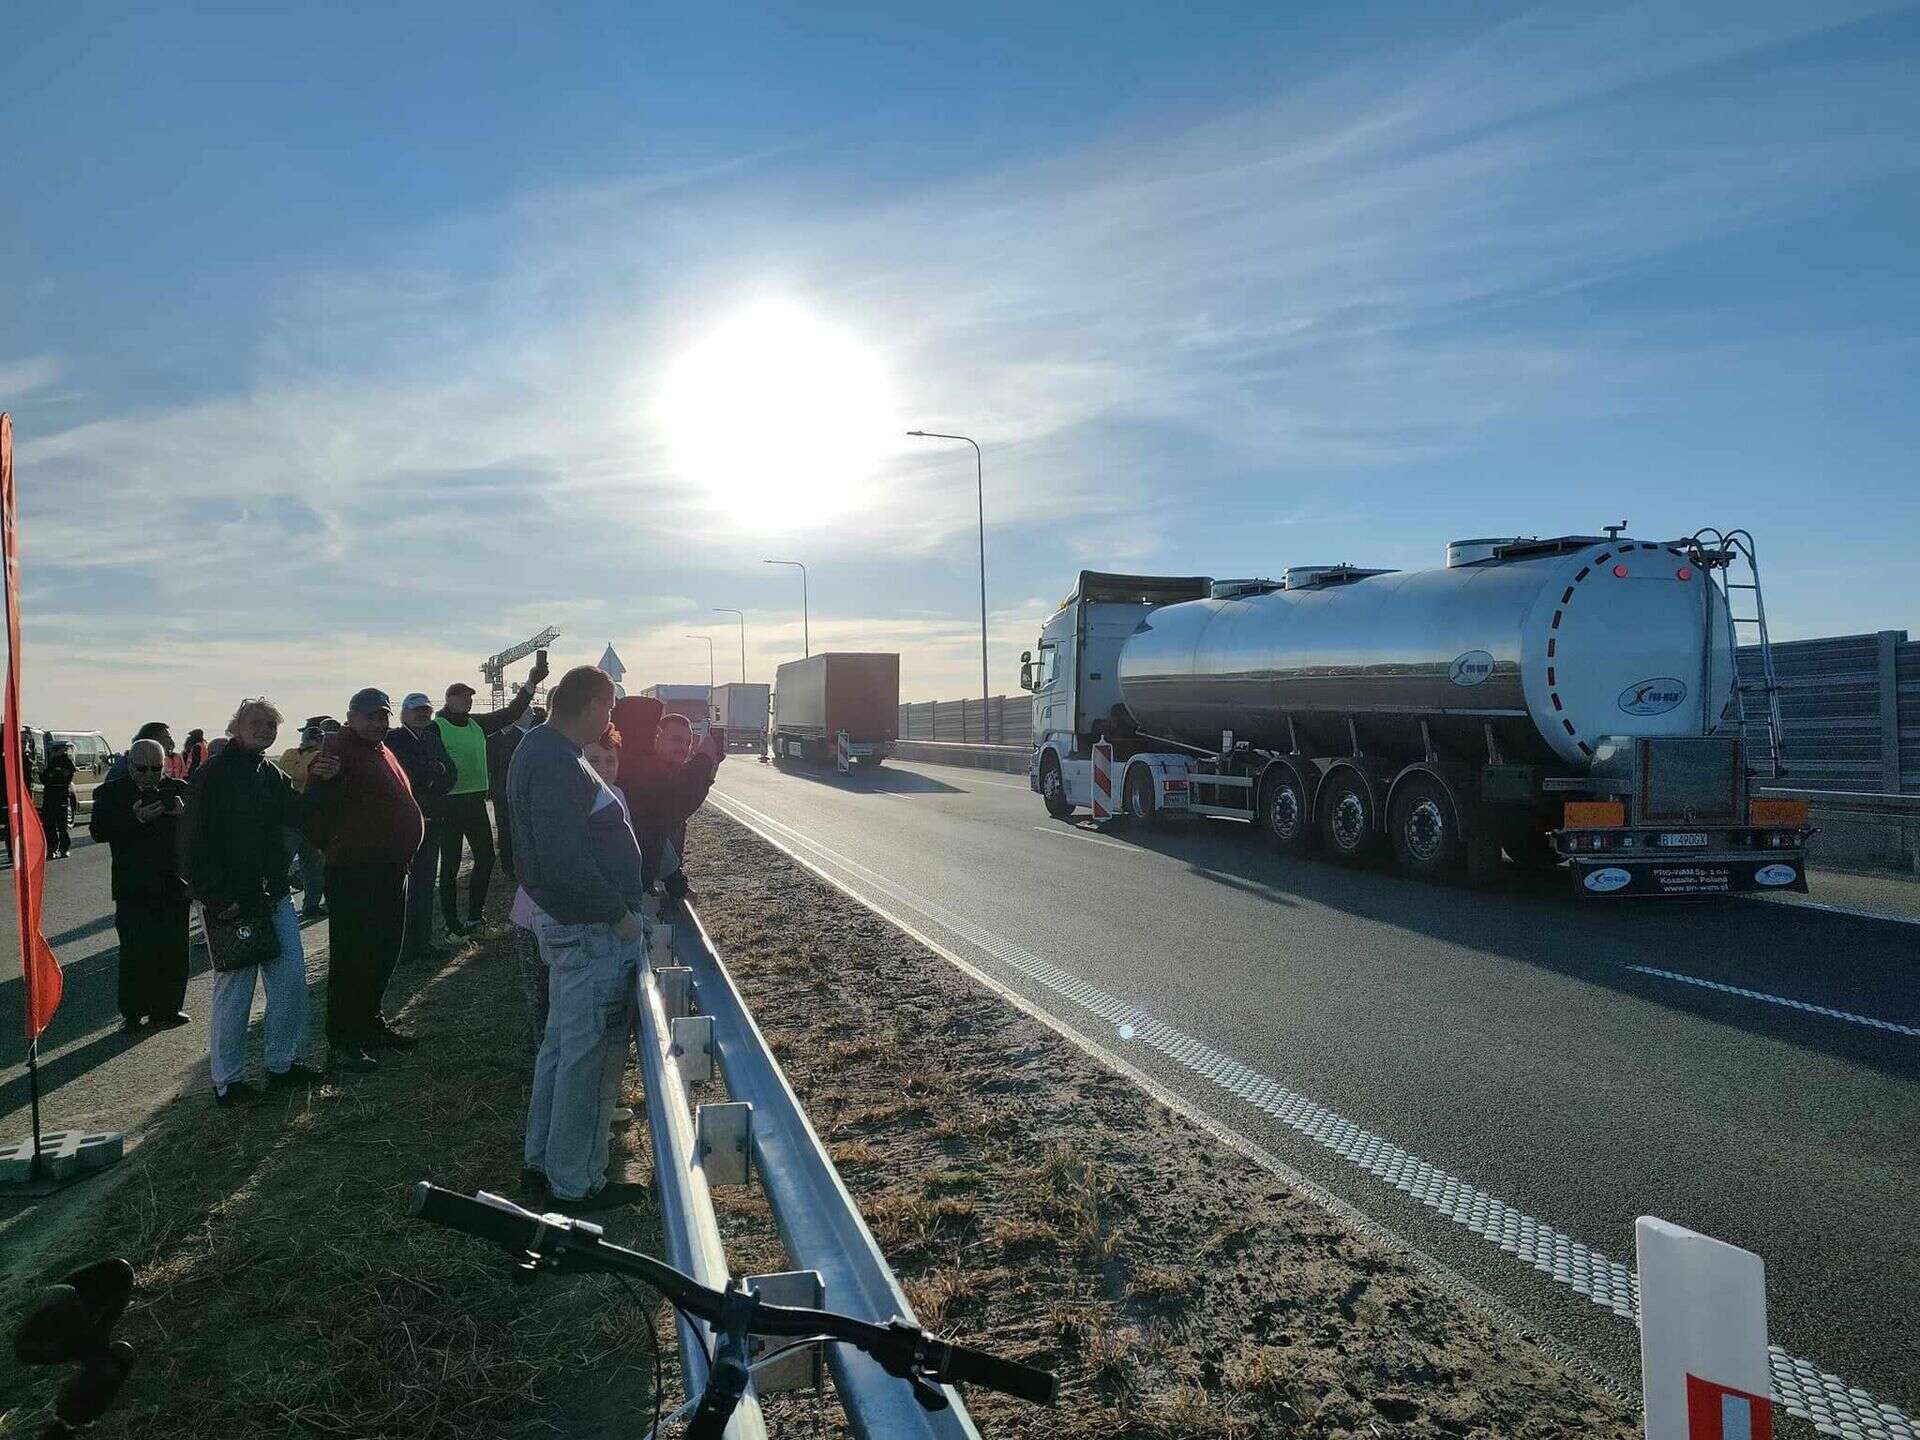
(1610, 878)
(1653, 697)
(1470, 668)
(1776, 874)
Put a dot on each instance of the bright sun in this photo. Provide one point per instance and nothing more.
(778, 416)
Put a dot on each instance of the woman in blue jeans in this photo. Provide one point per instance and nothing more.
(237, 815)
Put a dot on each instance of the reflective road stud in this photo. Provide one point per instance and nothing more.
(1102, 782)
(1703, 1336)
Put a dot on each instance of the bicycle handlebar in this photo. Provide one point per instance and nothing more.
(562, 1243)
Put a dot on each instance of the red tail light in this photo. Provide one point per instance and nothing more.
(1685, 572)
(1619, 572)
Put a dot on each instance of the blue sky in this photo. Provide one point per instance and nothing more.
(346, 348)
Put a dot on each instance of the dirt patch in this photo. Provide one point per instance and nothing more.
(1034, 1202)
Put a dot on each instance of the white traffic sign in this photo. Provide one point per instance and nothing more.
(1703, 1336)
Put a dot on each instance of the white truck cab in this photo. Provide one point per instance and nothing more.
(1075, 675)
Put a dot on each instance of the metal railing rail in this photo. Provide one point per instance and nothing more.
(818, 1222)
(689, 1232)
(1864, 804)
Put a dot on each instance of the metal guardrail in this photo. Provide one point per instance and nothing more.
(691, 1016)
(1865, 804)
(690, 1233)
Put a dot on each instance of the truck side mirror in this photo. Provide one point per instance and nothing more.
(1026, 674)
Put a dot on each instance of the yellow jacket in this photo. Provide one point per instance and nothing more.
(296, 762)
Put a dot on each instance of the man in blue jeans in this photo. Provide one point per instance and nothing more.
(238, 813)
(580, 867)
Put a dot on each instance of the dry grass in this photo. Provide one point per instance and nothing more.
(283, 1289)
(1030, 1202)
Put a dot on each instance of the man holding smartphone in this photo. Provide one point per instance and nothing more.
(137, 815)
(664, 783)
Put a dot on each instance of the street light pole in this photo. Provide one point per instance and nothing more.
(980, 497)
(709, 640)
(806, 641)
(741, 615)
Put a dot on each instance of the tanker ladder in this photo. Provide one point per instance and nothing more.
(1717, 553)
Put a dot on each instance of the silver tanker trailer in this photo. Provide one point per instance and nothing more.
(1562, 700)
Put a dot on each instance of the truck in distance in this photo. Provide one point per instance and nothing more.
(826, 696)
(687, 700)
(1573, 699)
(741, 710)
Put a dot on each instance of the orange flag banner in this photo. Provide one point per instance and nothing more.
(26, 839)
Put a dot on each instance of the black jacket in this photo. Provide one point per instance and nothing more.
(238, 807)
(57, 776)
(428, 765)
(146, 854)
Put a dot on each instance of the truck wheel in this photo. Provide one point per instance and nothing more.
(1347, 828)
(1053, 789)
(1137, 797)
(1426, 830)
(1285, 816)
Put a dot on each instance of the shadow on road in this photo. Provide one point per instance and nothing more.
(1852, 963)
(898, 782)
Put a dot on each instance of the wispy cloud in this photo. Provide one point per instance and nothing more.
(21, 378)
(1353, 275)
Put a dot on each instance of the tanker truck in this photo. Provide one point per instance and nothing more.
(1567, 701)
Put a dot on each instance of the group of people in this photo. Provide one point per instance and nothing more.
(369, 819)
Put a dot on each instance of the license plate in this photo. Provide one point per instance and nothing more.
(1683, 839)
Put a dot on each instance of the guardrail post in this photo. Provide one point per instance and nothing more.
(724, 1135)
(800, 1370)
(676, 989)
(692, 1046)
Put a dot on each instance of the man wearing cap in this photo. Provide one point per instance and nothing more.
(416, 744)
(464, 816)
(366, 820)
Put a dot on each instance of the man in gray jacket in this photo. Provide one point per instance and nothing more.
(580, 866)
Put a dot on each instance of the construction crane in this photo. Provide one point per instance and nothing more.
(494, 670)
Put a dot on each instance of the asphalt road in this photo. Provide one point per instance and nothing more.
(1500, 1036)
(92, 1075)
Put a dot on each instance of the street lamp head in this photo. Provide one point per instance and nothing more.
(920, 433)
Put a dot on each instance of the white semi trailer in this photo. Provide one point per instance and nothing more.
(1571, 700)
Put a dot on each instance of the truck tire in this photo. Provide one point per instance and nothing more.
(1349, 832)
(1136, 797)
(1053, 788)
(1286, 816)
(1424, 823)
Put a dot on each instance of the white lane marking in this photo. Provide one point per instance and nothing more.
(1073, 834)
(1885, 915)
(1801, 1387)
(1847, 1015)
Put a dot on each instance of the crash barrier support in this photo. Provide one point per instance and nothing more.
(1861, 826)
(695, 1027)
(1013, 759)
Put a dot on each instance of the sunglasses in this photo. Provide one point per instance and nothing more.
(145, 769)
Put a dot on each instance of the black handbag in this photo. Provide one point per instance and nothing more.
(241, 941)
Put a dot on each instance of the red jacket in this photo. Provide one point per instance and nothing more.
(365, 815)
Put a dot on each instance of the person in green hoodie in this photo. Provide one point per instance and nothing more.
(462, 815)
